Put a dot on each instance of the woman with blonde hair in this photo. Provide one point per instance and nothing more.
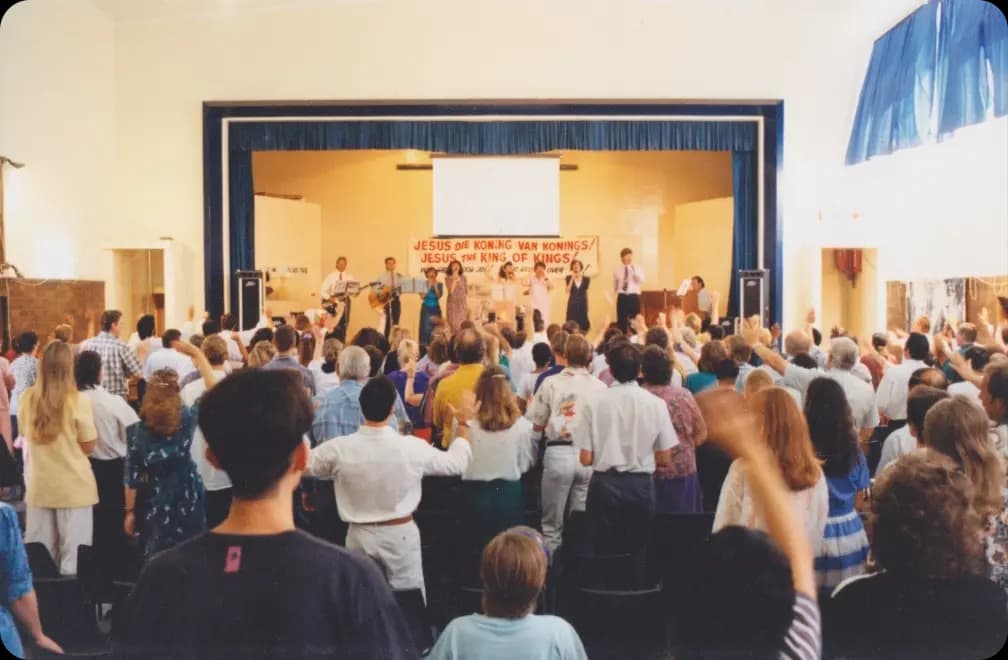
(959, 429)
(411, 384)
(782, 427)
(58, 424)
(161, 478)
(324, 369)
(262, 353)
(503, 449)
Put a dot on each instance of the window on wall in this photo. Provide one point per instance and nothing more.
(943, 67)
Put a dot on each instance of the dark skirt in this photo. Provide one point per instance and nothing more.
(490, 508)
(577, 308)
(679, 495)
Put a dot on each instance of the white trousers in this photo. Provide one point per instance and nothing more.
(396, 550)
(60, 531)
(564, 489)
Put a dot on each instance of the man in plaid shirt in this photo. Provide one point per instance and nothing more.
(118, 360)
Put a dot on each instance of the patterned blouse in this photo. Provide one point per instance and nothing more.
(996, 543)
(688, 424)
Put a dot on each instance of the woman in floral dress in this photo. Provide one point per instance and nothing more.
(457, 303)
(161, 478)
(677, 485)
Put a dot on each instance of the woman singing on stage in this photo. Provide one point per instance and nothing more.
(430, 306)
(538, 289)
(457, 303)
(577, 296)
(506, 274)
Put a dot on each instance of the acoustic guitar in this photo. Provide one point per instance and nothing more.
(380, 296)
(329, 304)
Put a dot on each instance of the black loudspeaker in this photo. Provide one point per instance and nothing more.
(754, 285)
(250, 298)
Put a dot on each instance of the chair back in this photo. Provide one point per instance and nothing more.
(626, 623)
(414, 609)
(40, 561)
(68, 617)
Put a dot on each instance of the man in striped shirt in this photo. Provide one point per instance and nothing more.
(119, 362)
(748, 593)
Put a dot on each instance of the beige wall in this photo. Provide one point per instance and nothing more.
(370, 209)
(288, 235)
(847, 306)
(701, 244)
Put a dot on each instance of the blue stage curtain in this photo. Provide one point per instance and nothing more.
(895, 106)
(973, 36)
(242, 200)
(745, 232)
(495, 137)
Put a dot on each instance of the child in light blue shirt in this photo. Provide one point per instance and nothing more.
(513, 571)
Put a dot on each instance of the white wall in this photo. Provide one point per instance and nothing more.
(811, 54)
(58, 116)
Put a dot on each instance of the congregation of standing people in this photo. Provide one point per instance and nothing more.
(853, 489)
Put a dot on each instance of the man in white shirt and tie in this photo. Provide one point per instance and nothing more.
(330, 287)
(627, 280)
(378, 475)
(623, 433)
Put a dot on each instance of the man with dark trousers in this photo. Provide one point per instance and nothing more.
(388, 315)
(627, 280)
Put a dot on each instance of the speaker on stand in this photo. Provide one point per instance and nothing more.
(754, 287)
(251, 297)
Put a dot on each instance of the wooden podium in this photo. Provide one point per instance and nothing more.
(657, 302)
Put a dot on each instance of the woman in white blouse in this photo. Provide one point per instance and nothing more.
(503, 448)
(784, 430)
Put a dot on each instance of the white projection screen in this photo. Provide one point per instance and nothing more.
(496, 196)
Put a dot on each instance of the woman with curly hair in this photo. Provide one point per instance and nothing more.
(931, 598)
(782, 428)
(161, 477)
(959, 429)
(831, 427)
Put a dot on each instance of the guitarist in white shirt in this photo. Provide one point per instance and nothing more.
(330, 287)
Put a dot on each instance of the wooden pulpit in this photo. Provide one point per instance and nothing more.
(657, 302)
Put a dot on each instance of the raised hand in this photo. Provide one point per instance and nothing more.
(729, 424)
(466, 410)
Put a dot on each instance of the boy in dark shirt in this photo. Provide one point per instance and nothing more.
(255, 587)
